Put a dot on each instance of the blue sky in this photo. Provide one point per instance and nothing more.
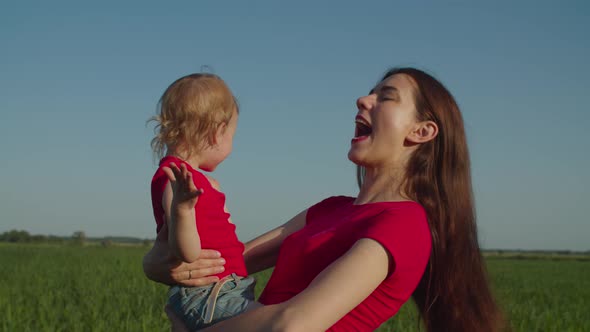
(78, 82)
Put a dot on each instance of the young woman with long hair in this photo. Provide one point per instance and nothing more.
(350, 263)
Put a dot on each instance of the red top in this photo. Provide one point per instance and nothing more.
(215, 230)
(333, 226)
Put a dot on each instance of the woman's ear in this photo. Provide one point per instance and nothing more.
(423, 132)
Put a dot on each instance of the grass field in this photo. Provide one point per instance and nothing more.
(92, 288)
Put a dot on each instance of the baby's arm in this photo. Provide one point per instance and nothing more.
(179, 200)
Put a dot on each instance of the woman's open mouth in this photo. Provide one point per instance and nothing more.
(362, 130)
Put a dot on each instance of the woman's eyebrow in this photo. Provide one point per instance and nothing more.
(384, 89)
(388, 88)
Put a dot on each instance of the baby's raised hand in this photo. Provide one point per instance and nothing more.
(184, 192)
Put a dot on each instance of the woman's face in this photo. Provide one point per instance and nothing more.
(384, 120)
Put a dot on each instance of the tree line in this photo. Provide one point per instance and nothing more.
(77, 237)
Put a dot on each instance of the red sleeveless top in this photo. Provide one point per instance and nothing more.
(215, 230)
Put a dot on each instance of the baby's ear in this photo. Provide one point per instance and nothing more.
(423, 132)
(219, 133)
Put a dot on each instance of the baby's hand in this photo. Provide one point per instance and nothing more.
(184, 192)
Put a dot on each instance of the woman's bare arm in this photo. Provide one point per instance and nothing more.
(333, 293)
(262, 252)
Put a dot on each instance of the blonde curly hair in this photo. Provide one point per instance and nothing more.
(190, 112)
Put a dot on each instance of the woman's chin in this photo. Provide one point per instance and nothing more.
(355, 158)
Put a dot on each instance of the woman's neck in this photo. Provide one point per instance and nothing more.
(381, 186)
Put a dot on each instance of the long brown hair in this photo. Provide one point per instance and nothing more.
(453, 294)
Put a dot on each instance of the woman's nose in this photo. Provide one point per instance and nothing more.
(363, 103)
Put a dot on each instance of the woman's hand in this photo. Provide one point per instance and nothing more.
(160, 265)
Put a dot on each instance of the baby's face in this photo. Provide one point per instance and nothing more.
(226, 140)
(214, 155)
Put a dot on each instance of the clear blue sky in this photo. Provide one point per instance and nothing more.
(79, 80)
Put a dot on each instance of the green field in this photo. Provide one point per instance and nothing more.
(93, 288)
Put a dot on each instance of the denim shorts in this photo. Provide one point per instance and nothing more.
(191, 303)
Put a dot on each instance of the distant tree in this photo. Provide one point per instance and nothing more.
(55, 239)
(15, 236)
(147, 242)
(39, 238)
(79, 237)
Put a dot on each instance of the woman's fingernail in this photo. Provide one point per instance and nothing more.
(222, 261)
(220, 269)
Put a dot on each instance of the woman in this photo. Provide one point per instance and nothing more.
(350, 263)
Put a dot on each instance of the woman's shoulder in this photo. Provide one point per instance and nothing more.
(403, 230)
(337, 199)
(333, 202)
(407, 215)
(406, 219)
(407, 209)
(403, 224)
